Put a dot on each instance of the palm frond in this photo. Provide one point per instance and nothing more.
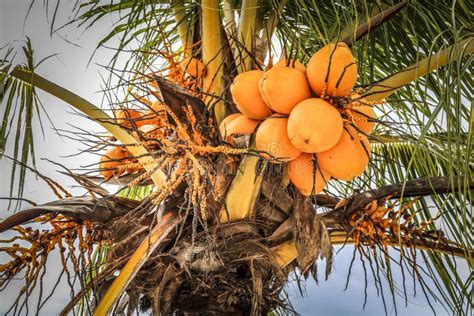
(33, 79)
(395, 162)
(20, 107)
(150, 27)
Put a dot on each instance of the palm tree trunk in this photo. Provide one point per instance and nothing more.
(197, 305)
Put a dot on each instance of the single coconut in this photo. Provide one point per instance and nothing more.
(333, 69)
(193, 67)
(363, 116)
(314, 125)
(226, 121)
(349, 158)
(127, 117)
(240, 125)
(246, 95)
(155, 116)
(284, 87)
(292, 63)
(157, 107)
(304, 176)
(111, 160)
(272, 138)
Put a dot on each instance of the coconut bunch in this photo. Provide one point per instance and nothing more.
(150, 124)
(306, 116)
(147, 125)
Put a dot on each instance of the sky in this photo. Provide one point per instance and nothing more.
(70, 69)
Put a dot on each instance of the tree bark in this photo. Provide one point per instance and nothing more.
(196, 305)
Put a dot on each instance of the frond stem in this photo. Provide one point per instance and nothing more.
(93, 112)
(183, 26)
(248, 14)
(386, 87)
(212, 57)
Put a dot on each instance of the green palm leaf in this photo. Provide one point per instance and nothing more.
(20, 105)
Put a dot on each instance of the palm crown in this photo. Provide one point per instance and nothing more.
(179, 224)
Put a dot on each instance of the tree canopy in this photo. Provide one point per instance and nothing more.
(187, 189)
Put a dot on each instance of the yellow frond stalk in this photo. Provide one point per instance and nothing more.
(390, 85)
(246, 34)
(285, 253)
(93, 112)
(184, 27)
(243, 192)
(212, 57)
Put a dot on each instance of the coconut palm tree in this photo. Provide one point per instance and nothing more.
(203, 224)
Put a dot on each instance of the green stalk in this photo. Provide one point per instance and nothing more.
(212, 57)
(271, 25)
(372, 23)
(354, 24)
(390, 85)
(246, 34)
(229, 18)
(183, 26)
(159, 178)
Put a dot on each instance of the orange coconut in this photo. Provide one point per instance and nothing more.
(304, 177)
(293, 63)
(155, 116)
(348, 158)
(157, 107)
(246, 95)
(193, 67)
(272, 138)
(226, 121)
(314, 125)
(127, 117)
(362, 118)
(240, 125)
(111, 160)
(332, 66)
(284, 87)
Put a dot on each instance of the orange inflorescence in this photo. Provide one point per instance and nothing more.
(78, 238)
(331, 75)
(358, 112)
(378, 223)
(338, 131)
(186, 73)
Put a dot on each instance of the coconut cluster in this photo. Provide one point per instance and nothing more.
(299, 118)
(149, 124)
(117, 161)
